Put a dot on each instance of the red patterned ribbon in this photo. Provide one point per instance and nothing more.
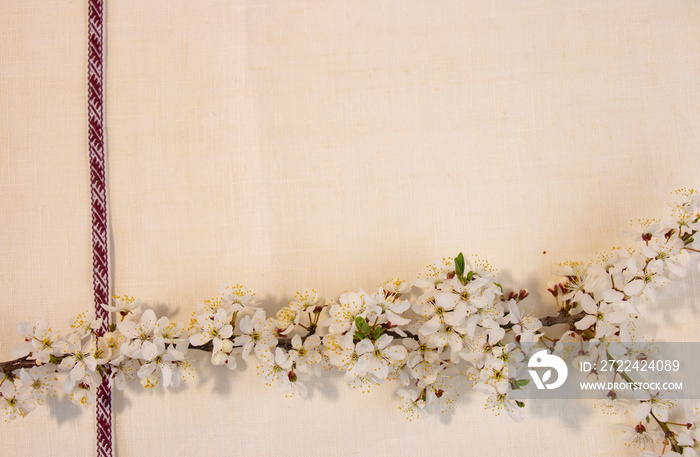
(98, 190)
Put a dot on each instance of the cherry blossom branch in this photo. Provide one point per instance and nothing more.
(562, 318)
(461, 319)
(668, 434)
(663, 425)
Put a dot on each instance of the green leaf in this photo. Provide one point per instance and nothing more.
(499, 286)
(459, 264)
(522, 382)
(362, 326)
(470, 276)
(359, 336)
(377, 332)
(519, 403)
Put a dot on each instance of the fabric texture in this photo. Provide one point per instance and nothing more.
(335, 145)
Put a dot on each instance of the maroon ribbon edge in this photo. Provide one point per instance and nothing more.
(98, 197)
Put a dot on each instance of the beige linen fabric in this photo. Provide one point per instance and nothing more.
(334, 145)
(45, 250)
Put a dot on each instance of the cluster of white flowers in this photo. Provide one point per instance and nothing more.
(357, 339)
(454, 327)
(603, 299)
(76, 355)
(677, 438)
(464, 321)
(457, 325)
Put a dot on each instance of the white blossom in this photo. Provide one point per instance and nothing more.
(651, 404)
(239, 299)
(122, 305)
(15, 402)
(40, 382)
(257, 335)
(376, 359)
(305, 355)
(350, 306)
(215, 328)
(80, 361)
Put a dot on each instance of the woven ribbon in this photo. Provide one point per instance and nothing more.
(98, 191)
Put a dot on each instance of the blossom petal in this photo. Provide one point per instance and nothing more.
(77, 372)
(258, 318)
(362, 365)
(676, 268)
(660, 411)
(21, 350)
(588, 304)
(431, 326)
(613, 296)
(634, 287)
(167, 374)
(148, 320)
(400, 306)
(395, 319)
(642, 410)
(395, 353)
(128, 329)
(384, 341)
(447, 300)
(364, 346)
(218, 343)
(149, 350)
(471, 324)
(146, 370)
(8, 390)
(585, 323)
(226, 331)
(246, 325)
(220, 318)
(312, 342)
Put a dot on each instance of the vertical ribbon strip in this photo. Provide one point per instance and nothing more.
(98, 191)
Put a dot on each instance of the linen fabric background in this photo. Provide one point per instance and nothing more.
(334, 145)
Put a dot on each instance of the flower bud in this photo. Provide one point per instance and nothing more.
(219, 358)
(226, 345)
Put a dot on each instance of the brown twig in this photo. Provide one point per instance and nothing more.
(16, 364)
(569, 319)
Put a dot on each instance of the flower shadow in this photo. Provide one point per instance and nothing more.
(63, 410)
